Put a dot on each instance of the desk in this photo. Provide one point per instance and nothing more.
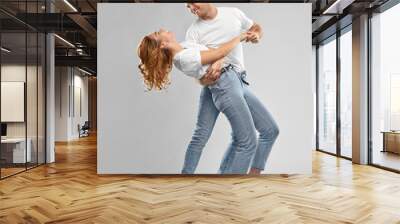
(13, 150)
(391, 141)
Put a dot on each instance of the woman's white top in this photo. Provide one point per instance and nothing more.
(188, 60)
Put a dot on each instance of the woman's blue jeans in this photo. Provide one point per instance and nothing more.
(246, 114)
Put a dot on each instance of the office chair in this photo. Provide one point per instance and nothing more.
(84, 130)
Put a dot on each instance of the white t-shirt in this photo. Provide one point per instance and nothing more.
(188, 60)
(229, 23)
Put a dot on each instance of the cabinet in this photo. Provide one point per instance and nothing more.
(391, 142)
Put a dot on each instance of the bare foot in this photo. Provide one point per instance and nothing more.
(255, 171)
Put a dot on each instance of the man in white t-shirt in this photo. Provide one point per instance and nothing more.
(215, 26)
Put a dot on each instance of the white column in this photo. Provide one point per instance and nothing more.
(50, 92)
(50, 100)
(360, 90)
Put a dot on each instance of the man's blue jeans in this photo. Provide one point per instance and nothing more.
(231, 96)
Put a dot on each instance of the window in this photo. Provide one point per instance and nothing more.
(385, 89)
(327, 96)
(346, 93)
(333, 138)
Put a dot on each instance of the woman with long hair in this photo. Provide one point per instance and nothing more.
(158, 51)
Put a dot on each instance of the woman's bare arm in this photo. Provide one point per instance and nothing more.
(212, 55)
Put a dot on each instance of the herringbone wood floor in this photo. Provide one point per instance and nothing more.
(70, 191)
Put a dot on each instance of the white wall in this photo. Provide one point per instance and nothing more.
(148, 132)
(68, 81)
(80, 83)
(17, 72)
(61, 103)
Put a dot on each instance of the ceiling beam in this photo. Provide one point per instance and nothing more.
(85, 61)
(86, 27)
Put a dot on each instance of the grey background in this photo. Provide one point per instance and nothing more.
(143, 132)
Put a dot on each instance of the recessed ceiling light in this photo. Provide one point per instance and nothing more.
(5, 50)
(338, 6)
(70, 5)
(65, 41)
(84, 71)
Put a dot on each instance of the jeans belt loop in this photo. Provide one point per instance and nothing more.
(226, 68)
(243, 75)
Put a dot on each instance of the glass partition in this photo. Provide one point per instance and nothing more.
(32, 95)
(14, 153)
(22, 89)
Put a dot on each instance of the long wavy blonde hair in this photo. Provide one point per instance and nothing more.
(155, 65)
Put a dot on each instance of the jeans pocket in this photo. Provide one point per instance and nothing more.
(224, 81)
(217, 83)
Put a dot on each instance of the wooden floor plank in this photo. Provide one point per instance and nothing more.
(70, 191)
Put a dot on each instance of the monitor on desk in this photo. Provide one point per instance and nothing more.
(3, 130)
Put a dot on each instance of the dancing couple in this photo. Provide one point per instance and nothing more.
(212, 53)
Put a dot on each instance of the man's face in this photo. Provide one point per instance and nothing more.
(198, 9)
